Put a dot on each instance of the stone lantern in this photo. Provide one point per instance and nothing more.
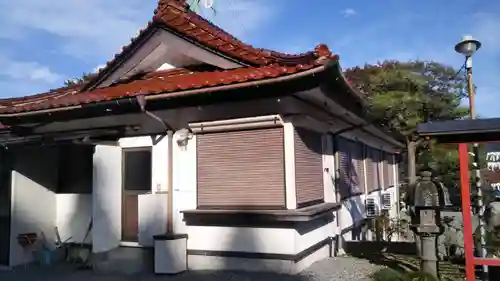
(428, 199)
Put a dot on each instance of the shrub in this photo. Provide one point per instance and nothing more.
(388, 274)
(421, 276)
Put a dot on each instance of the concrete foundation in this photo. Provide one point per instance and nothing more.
(265, 264)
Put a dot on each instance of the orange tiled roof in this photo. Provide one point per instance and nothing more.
(169, 81)
(175, 15)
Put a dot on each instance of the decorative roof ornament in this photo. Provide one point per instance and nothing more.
(207, 4)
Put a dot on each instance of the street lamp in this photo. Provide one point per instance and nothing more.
(467, 47)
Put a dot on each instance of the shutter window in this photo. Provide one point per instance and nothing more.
(377, 159)
(241, 169)
(308, 167)
(354, 176)
(391, 165)
(343, 155)
(358, 152)
(351, 169)
(371, 179)
(385, 170)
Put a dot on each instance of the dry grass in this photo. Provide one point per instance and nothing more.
(448, 270)
(407, 263)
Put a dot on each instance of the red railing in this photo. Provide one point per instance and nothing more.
(470, 260)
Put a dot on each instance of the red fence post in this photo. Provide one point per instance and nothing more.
(463, 155)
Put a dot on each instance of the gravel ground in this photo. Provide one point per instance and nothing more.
(334, 269)
(340, 269)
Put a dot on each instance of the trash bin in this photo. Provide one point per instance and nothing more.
(170, 253)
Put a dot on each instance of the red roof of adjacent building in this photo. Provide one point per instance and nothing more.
(176, 16)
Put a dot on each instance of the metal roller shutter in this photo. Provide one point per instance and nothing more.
(377, 161)
(371, 179)
(358, 159)
(241, 169)
(391, 169)
(345, 188)
(385, 170)
(308, 167)
(354, 179)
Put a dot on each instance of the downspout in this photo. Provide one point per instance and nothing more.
(170, 183)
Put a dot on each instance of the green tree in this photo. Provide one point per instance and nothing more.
(405, 94)
(84, 78)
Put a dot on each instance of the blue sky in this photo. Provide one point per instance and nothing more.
(43, 42)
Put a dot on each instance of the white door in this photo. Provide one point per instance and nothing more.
(107, 198)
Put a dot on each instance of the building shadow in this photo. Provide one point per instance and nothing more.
(38, 204)
(350, 194)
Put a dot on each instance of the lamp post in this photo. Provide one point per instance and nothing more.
(467, 47)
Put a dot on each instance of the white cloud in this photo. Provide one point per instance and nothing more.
(95, 29)
(85, 28)
(349, 12)
(32, 71)
(19, 78)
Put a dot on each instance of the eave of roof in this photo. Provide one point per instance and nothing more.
(467, 130)
(175, 82)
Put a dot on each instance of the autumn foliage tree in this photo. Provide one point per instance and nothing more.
(405, 94)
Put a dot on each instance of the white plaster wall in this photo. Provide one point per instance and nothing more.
(353, 209)
(351, 213)
(259, 240)
(74, 212)
(244, 239)
(107, 192)
(184, 181)
(319, 231)
(106, 198)
(265, 240)
(152, 217)
(33, 201)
